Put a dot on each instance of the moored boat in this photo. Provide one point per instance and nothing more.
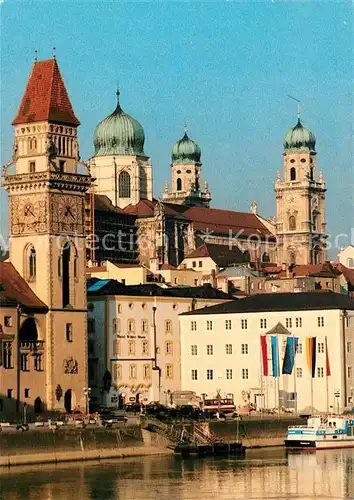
(321, 433)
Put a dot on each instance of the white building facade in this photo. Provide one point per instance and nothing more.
(221, 351)
(134, 339)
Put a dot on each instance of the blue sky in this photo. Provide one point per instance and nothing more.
(223, 67)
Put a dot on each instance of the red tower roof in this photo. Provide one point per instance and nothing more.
(45, 97)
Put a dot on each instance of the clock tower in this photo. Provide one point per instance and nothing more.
(46, 183)
(300, 196)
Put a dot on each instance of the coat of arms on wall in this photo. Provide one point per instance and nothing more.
(70, 365)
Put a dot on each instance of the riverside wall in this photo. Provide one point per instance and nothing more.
(68, 443)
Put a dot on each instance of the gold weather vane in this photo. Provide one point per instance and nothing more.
(298, 105)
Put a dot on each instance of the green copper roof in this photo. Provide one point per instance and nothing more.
(119, 134)
(185, 151)
(299, 138)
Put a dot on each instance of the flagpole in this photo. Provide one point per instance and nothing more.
(311, 394)
(294, 368)
(262, 368)
(326, 354)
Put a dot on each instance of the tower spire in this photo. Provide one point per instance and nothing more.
(118, 96)
(185, 128)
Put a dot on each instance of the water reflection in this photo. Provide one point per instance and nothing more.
(262, 474)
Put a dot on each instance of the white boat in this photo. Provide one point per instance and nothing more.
(322, 433)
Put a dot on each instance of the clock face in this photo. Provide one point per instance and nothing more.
(67, 210)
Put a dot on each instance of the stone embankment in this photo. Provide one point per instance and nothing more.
(67, 444)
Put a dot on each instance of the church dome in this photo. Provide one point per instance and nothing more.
(119, 134)
(185, 151)
(299, 138)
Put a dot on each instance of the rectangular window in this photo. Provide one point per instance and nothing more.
(169, 371)
(116, 348)
(144, 326)
(200, 263)
(349, 347)
(244, 324)
(27, 393)
(194, 374)
(146, 371)
(32, 167)
(320, 321)
(210, 349)
(38, 362)
(209, 325)
(118, 371)
(116, 326)
(194, 264)
(320, 372)
(193, 326)
(132, 371)
(7, 354)
(227, 324)
(298, 322)
(24, 362)
(145, 347)
(244, 348)
(210, 375)
(9, 393)
(61, 166)
(8, 321)
(69, 332)
(320, 347)
(194, 350)
(119, 308)
(168, 326)
(288, 322)
(350, 371)
(91, 325)
(228, 373)
(299, 372)
(244, 373)
(131, 347)
(131, 326)
(228, 348)
(168, 348)
(263, 323)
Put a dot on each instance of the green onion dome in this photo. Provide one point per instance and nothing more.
(119, 134)
(185, 151)
(299, 138)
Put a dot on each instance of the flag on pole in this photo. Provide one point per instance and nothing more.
(328, 366)
(311, 355)
(275, 356)
(289, 357)
(264, 355)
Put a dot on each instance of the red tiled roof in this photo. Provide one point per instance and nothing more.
(96, 269)
(45, 97)
(222, 255)
(15, 289)
(347, 273)
(145, 208)
(325, 270)
(224, 221)
(167, 267)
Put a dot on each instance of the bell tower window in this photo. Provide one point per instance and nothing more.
(32, 167)
(293, 174)
(124, 187)
(66, 274)
(61, 166)
(30, 263)
(292, 223)
(179, 184)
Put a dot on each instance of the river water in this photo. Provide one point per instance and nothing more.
(262, 474)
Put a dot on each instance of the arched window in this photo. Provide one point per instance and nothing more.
(314, 221)
(316, 256)
(292, 174)
(292, 223)
(30, 266)
(265, 257)
(311, 173)
(292, 258)
(350, 262)
(179, 184)
(124, 185)
(66, 274)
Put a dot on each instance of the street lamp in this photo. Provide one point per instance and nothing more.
(87, 393)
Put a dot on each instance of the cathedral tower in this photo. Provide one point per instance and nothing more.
(300, 197)
(186, 175)
(46, 184)
(121, 168)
